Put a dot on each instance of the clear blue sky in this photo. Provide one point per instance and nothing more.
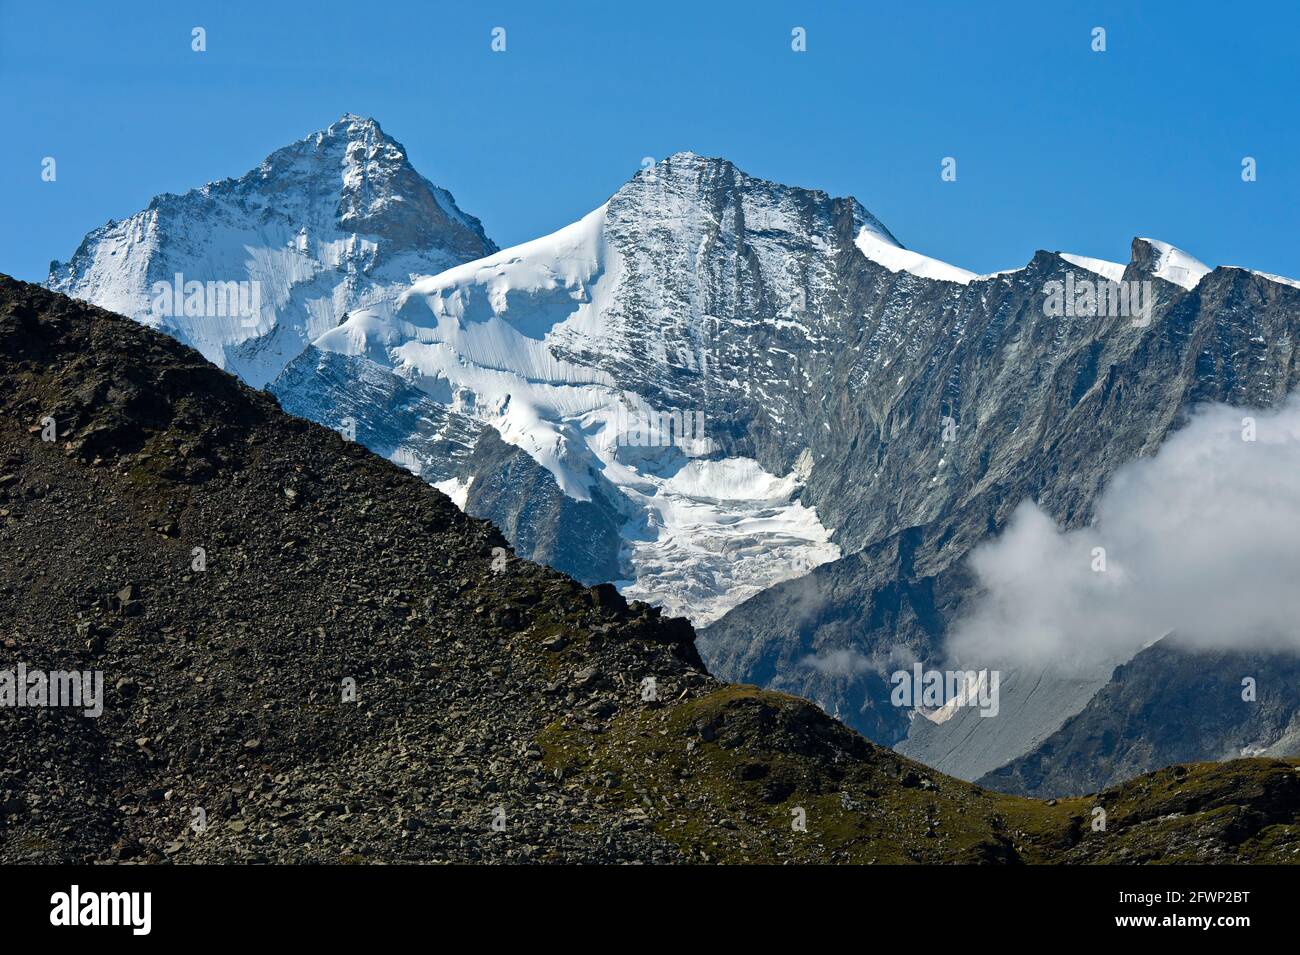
(1057, 147)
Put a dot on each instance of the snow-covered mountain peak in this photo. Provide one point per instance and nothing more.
(1164, 261)
(379, 193)
(693, 190)
(249, 270)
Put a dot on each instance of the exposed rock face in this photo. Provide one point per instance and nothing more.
(1043, 409)
(346, 671)
(521, 498)
(337, 221)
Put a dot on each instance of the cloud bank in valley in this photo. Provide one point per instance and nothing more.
(1201, 539)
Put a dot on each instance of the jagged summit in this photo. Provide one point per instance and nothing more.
(687, 174)
(380, 193)
(335, 221)
(1169, 263)
(355, 123)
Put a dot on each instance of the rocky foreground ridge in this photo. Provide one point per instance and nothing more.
(353, 670)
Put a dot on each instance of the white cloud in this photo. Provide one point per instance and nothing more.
(1202, 539)
(848, 662)
(838, 663)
